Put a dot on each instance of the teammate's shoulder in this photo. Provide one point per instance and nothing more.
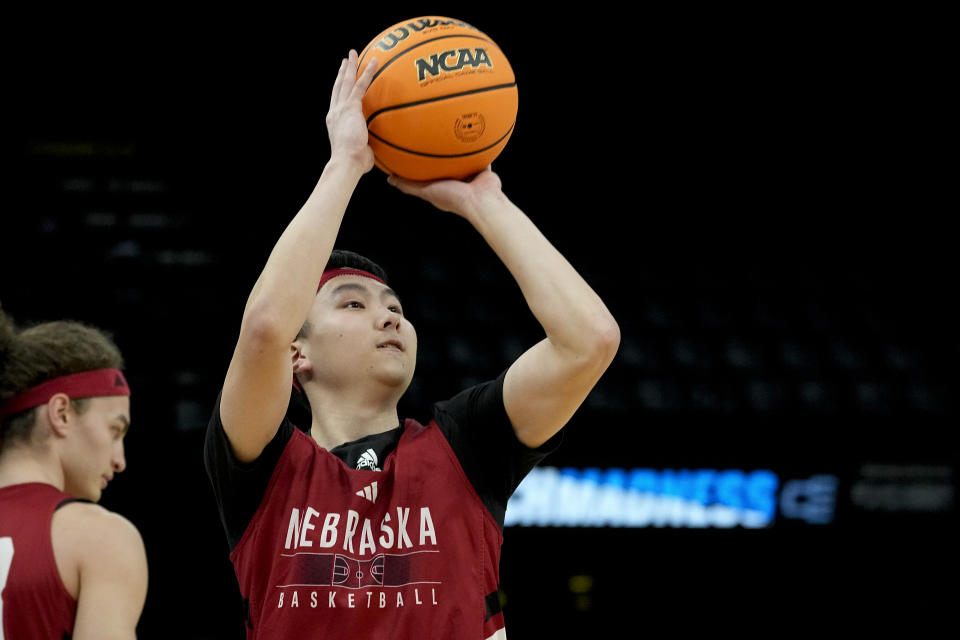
(90, 521)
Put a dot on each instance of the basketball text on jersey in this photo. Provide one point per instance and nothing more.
(367, 599)
(452, 60)
(401, 32)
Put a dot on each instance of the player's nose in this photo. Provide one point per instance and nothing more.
(119, 461)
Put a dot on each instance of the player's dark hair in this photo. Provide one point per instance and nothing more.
(343, 259)
(42, 352)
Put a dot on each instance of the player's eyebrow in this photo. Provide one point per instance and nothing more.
(125, 420)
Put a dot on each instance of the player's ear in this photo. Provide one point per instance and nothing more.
(301, 363)
(59, 414)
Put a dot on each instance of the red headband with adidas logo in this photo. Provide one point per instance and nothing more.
(88, 384)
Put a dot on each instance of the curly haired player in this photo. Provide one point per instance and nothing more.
(68, 567)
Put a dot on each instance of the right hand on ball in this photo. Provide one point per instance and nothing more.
(346, 125)
(466, 198)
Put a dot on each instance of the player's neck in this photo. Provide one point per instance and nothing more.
(21, 465)
(340, 417)
(333, 430)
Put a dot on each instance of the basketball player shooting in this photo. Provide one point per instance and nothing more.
(353, 523)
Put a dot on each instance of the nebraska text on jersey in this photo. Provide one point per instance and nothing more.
(392, 533)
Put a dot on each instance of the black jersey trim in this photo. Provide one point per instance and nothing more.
(69, 500)
(492, 601)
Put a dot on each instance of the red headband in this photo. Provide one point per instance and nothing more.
(88, 384)
(343, 271)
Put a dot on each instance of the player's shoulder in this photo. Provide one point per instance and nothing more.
(481, 400)
(89, 540)
(91, 527)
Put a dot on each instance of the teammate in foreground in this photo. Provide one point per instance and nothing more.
(352, 523)
(68, 567)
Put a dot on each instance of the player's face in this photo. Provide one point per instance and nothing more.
(358, 333)
(95, 446)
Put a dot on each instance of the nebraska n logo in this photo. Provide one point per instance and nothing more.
(369, 492)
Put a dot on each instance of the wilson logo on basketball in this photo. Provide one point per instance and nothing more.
(401, 32)
(452, 60)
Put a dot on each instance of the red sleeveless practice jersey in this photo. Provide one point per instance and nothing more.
(407, 552)
(34, 603)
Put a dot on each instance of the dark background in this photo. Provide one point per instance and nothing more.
(756, 196)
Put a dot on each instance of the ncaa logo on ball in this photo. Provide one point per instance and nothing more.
(469, 127)
(449, 61)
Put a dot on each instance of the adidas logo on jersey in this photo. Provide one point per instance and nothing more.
(368, 460)
(369, 492)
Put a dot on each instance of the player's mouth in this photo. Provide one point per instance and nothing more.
(391, 345)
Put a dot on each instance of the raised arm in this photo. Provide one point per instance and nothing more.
(257, 386)
(546, 384)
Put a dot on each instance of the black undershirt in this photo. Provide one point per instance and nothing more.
(474, 422)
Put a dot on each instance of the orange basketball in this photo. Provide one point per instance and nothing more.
(443, 101)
